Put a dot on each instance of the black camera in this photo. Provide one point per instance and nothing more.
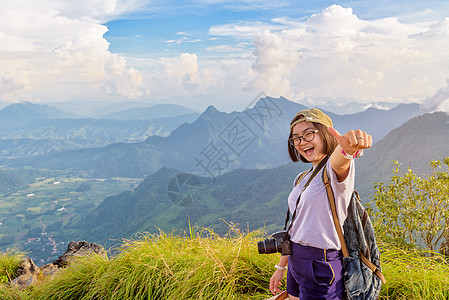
(279, 242)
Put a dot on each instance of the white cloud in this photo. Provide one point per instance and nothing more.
(55, 50)
(225, 49)
(438, 102)
(241, 30)
(181, 75)
(336, 54)
(273, 64)
(9, 85)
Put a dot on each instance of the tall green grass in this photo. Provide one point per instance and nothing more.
(414, 274)
(204, 265)
(9, 262)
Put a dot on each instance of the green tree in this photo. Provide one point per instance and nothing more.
(413, 210)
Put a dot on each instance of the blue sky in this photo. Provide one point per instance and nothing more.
(225, 53)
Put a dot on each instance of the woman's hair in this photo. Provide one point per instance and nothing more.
(329, 142)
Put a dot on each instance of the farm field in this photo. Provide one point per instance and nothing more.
(33, 219)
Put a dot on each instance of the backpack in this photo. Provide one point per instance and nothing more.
(361, 256)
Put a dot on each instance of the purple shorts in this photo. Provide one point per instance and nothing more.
(315, 273)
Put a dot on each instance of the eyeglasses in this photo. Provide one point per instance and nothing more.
(308, 136)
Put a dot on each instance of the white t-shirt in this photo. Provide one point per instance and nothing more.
(313, 224)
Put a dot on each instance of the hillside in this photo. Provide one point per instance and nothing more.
(201, 265)
(253, 198)
(41, 136)
(215, 143)
(414, 145)
(11, 181)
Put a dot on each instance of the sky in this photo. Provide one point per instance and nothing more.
(225, 53)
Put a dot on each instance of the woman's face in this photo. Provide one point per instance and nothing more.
(313, 150)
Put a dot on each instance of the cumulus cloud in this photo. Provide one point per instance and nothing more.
(336, 54)
(183, 76)
(56, 49)
(9, 85)
(438, 102)
(273, 64)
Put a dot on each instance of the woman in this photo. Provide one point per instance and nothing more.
(315, 267)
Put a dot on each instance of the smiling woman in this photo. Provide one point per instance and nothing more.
(315, 260)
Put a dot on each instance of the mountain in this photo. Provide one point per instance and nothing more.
(41, 136)
(377, 122)
(251, 198)
(216, 142)
(147, 113)
(17, 114)
(414, 144)
(353, 107)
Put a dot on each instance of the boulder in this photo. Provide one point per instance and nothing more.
(26, 274)
(78, 249)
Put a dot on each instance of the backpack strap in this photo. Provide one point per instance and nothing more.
(344, 248)
(315, 172)
(301, 176)
(330, 196)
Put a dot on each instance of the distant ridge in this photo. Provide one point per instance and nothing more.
(153, 112)
(216, 142)
(17, 114)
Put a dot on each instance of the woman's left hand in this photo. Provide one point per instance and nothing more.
(353, 140)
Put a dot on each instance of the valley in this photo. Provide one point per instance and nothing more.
(32, 218)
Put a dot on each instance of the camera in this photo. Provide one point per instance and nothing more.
(279, 242)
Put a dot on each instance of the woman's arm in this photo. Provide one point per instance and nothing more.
(351, 142)
(275, 280)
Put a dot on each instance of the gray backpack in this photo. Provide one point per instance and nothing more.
(361, 256)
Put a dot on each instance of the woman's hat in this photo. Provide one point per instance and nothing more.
(312, 115)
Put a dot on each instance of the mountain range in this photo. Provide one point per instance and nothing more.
(238, 160)
(252, 198)
(147, 113)
(17, 114)
(30, 129)
(215, 143)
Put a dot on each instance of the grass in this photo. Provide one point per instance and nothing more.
(414, 274)
(204, 265)
(9, 262)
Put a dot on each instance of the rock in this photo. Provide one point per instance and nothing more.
(26, 274)
(78, 249)
(27, 266)
(49, 271)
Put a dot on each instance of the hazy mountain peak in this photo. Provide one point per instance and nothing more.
(210, 110)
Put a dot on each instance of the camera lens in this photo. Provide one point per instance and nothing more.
(267, 246)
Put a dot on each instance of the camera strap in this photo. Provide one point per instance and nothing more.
(315, 172)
